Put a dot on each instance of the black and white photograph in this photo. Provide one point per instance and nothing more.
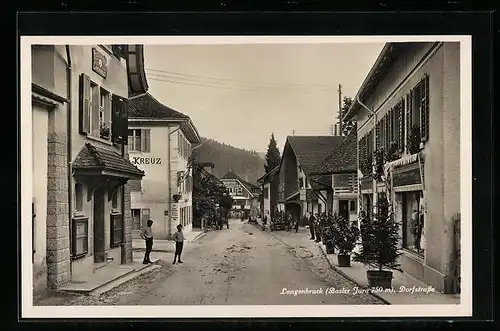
(266, 176)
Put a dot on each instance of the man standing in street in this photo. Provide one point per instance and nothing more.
(147, 235)
(297, 220)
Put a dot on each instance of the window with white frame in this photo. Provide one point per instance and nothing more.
(139, 140)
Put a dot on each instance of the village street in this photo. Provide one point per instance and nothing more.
(240, 266)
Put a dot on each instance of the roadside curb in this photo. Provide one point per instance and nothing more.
(199, 236)
(339, 271)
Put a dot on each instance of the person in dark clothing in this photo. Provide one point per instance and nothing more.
(179, 243)
(297, 220)
(311, 225)
(147, 235)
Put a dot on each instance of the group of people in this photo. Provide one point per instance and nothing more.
(147, 236)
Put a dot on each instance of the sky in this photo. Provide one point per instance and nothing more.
(239, 94)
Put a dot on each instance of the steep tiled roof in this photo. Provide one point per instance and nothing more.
(231, 175)
(311, 150)
(93, 157)
(147, 106)
(343, 159)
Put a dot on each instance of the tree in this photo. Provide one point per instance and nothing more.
(346, 125)
(208, 191)
(273, 157)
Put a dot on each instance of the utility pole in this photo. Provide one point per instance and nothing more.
(340, 109)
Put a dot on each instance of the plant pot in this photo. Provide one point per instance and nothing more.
(344, 260)
(330, 249)
(379, 278)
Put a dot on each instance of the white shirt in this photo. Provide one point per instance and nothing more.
(179, 236)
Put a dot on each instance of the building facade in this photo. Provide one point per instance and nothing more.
(269, 188)
(302, 190)
(245, 195)
(161, 141)
(414, 91)
(80, 164)
(341, 166)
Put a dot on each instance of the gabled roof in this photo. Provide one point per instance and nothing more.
(146, 106)
(92, 157)
(268, 176)
(311, 150)
(341, 160)
(248, 186)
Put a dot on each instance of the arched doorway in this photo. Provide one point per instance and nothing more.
(295, 209)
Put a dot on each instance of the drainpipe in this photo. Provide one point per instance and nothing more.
(68, 153)
(375, 189)
(169, 176)
(123, 253)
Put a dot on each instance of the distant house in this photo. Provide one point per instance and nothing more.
(300, 190)
(269, 186)
(161, 140)
(245, 194)
(341, 164)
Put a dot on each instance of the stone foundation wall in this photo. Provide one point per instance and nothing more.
(127, 220)
(58, 250)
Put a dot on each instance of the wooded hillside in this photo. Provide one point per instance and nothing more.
(249, 165)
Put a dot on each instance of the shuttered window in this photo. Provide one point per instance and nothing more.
(85, 104)
(119, 121)
(424, 113)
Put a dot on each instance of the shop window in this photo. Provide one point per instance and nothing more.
(79, 197)
(116, 229)
(80, 237)
(352, 206)
(412, 222)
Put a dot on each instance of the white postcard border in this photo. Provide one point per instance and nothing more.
(343, 311)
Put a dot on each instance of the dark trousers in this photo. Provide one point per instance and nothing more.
(149, 247)
(178, 248)
(311, 228)
(296, 226)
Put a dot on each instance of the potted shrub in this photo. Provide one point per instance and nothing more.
(346, 237)
(379, 246)
(329, 235)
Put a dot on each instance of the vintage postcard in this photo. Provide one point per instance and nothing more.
(246, 176)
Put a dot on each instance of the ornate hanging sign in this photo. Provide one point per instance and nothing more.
(99, 63)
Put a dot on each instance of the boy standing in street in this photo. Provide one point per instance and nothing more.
(179, 242)
(147, 235)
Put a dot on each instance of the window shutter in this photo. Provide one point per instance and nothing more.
(115, 119)
(424, 115)
(85, 105)
(401, 125)
(119, 120)
(408, 119)
(147, 141)
(123, 124)
(378, 135)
